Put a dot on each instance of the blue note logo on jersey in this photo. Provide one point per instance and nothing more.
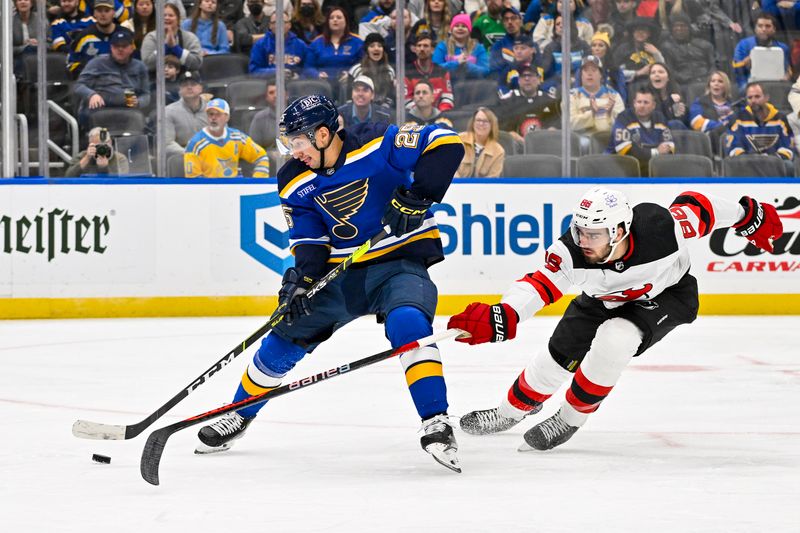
(341, 204)
(263, 233)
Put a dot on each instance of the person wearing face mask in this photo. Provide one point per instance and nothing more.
(308, 20)
(251, 28)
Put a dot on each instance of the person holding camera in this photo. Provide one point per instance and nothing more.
(98, 158)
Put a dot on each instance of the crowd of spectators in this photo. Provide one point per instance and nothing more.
(639, 69)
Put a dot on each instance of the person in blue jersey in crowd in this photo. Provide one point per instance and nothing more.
(71, 22)
(93, 40)
(340, 188)
(641, 131)
(334, 52)
(262, 56)
(215, 150)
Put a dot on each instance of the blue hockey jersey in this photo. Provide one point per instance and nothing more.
(342, 207)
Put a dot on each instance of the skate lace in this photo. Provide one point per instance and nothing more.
(489, 417)
(228, 424)
(437, 423)
(554, 427)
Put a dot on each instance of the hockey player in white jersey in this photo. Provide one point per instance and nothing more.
(632, 266)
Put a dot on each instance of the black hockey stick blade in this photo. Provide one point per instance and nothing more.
(86, 429)
(157, 441)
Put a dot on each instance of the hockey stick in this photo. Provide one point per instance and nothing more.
(154, 447)
(94, 430)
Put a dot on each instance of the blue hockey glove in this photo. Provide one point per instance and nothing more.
(293, 293)
(405, 212)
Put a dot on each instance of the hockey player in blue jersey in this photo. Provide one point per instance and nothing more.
(339, 190)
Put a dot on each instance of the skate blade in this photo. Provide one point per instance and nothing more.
(445, 456)
(203, 449)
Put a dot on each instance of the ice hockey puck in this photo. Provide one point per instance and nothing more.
(97, 458)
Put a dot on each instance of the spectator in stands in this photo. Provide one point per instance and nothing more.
(422, 111)
(182, 44)
(250, 29)
(262, 57)
(375, 65)
(410, 28)
(141, 23)
(667, 9)
(766, 26)
(612, 74)
(723, 23)
(594, 106)
(760, 128)
(122, 9)
(543, 32)
(99, 158)
(461, 55)
(534, 12)
(489, 24)
(107, 81)
(483, 154)
(424, 68)
(215, 150)
(308, 20)
(438, 16)
(524, 53)
(528, 108)
(380, 9)
(552, 56)
(71, 22)
(786, 12)
(501, 53)
(232, 11)
(206, 24)
(172, 71)
(92, 41)
(794, 117)
(669, 99)
(361, 108)
(333, 53)
(641, 132)
(25, 33)
(713, 112)
(623, 13)
(637, 54)
(262, 127)
(691, 57)
(187, 116)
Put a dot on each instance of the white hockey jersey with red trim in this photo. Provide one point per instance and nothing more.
(657, 256)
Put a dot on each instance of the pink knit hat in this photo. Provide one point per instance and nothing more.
(461, 18)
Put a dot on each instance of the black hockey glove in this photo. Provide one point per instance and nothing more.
(293, 294)
(405, 212)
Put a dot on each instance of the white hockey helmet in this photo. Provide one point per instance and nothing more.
(602, 208)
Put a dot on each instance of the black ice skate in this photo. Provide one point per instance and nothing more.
(440, 442)
(548, 434)
(490, 421)
(220, 435)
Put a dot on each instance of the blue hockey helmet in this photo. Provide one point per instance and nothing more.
(304, 116)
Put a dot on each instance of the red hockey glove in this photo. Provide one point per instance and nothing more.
(486, 323)
(760, 225)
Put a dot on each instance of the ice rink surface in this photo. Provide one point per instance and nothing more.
(700, 434)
